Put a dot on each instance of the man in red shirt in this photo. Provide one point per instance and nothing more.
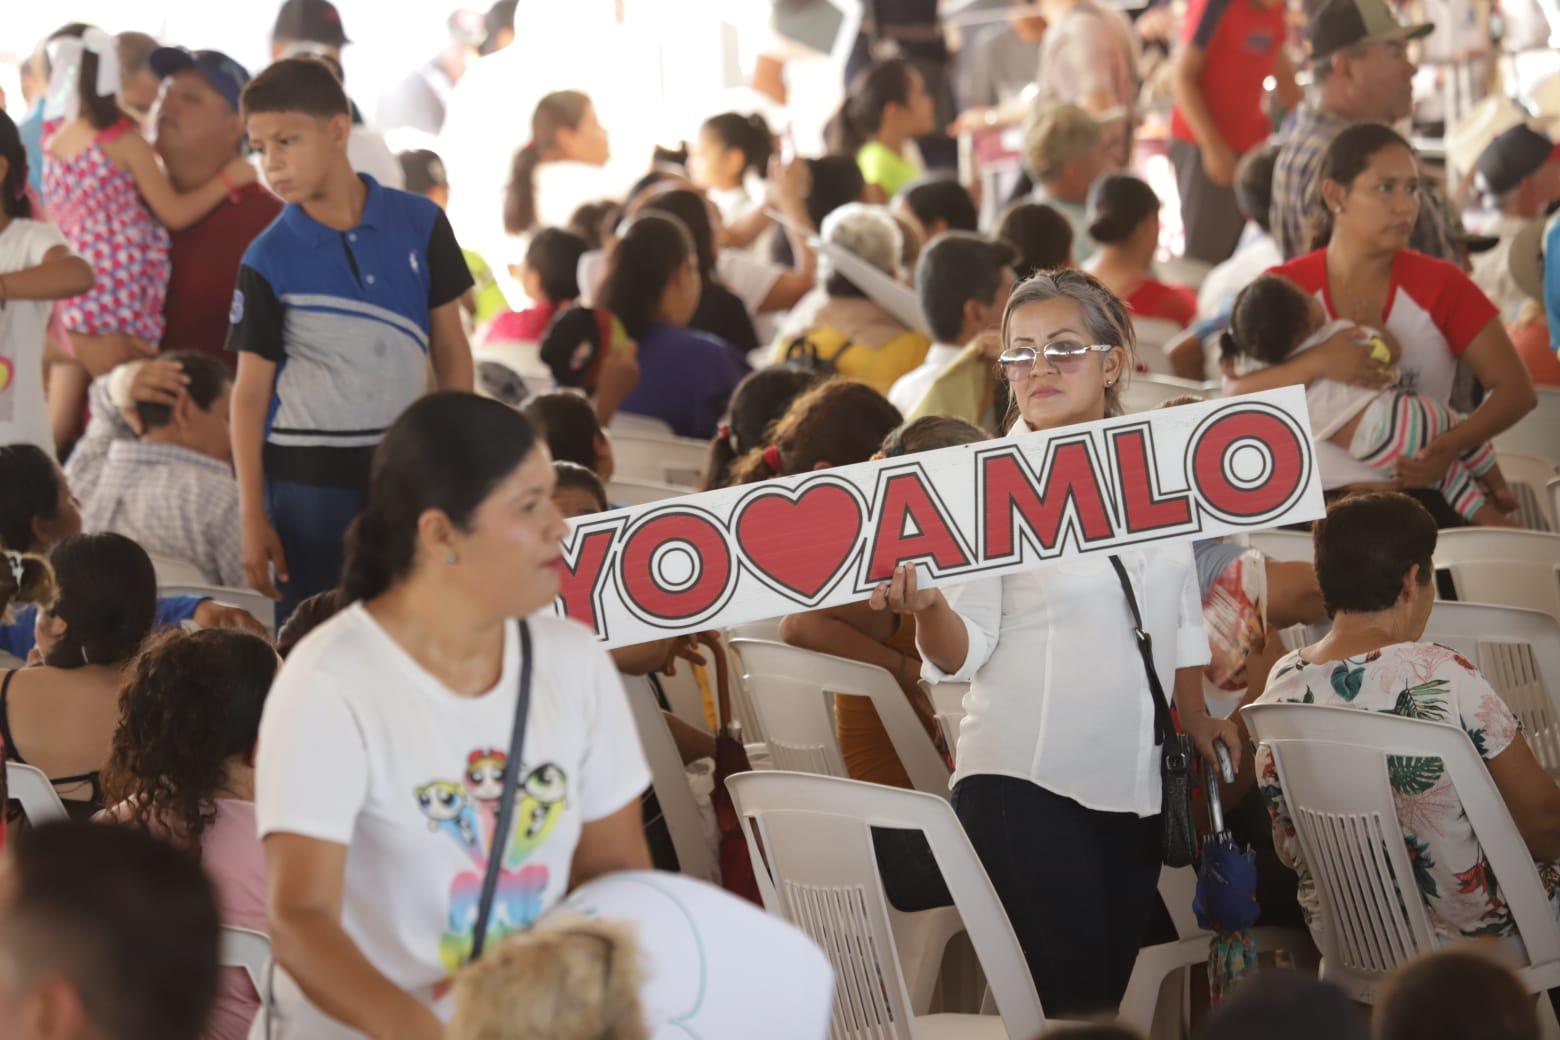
(1228, 49)
(197, 131)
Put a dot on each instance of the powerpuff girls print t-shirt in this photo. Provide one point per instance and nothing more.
(360, 746)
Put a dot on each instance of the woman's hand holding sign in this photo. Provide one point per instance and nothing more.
(939, 632)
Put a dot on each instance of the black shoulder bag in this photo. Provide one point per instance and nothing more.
(506, 805)
(1179, 839)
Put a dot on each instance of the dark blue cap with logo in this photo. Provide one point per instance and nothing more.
(226, 76)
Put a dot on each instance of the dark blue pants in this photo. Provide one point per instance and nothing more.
(311, 521)
(1079, 886)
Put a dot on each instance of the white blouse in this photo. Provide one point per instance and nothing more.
(1057, 694)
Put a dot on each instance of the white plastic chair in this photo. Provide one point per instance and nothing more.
(1332, 769)
(1552, 499)
(1497, 565)
(948, 702)
(40, 801)
(767, 629)
(792, 689)
(1153, 335)
(627, 424)
(684, 821)
(248, 949)
(1529, 477)
(810, 840)
(263, 609)
(1538, 432)
(170, 571)
(677, 461)
(1284, 546)
(1147, 391)
(1518, 651)
(641, 492)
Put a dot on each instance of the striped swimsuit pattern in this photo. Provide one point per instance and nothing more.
(1397, 425)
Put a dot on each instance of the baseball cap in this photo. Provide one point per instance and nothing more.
(422, 170)
(1343, 23)
(316, 21)
(1060, 133)
(1513, 155)
(225, 75)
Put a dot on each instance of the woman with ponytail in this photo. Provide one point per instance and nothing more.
(387, 731)
(836, 423)
(757, 404)
(1123, 216)
(37, 267)
(61, 716)
(560, 168)
(886, 110)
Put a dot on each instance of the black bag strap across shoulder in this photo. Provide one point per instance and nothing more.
(1164, 723)
(506, 805)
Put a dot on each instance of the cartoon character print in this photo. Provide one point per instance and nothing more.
(468, 812)
(448, 810)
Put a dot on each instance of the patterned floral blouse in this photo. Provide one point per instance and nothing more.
(1419, 681)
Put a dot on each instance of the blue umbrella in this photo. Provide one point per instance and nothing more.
(1226, 902)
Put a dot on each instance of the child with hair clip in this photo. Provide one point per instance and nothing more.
(115, 205)
(37, 267)
(1274, 320)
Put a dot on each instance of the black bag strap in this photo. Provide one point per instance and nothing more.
(1164, 724)
(506, 805)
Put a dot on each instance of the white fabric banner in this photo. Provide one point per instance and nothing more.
(1010, 504)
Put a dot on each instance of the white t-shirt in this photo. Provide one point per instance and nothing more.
(909, 388)
(23, 416)
(359, 745)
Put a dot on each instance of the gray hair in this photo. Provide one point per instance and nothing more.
(870, 232)
(1105, 315)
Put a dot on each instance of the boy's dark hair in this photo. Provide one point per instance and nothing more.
(1118, 204)
(107, 598)
(1041, 235)
(748, 134)
(573, 475)
(1366, 544)
(129, 921)
(1267, 321)
(1254, 185)
(1283, 1005)
(13, 190)
(567, 423)
(653, 247)
(306, 617)
(941, 198)
(32, 492)
(1452, 995)
(554, 254)
(957, 267)
(296, 85)
(207, 377)
(757, 403)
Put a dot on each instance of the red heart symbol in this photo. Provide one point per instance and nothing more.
(799, 543)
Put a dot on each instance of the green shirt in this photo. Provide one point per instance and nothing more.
(886, 168)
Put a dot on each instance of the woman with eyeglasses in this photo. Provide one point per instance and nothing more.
(1057, 767)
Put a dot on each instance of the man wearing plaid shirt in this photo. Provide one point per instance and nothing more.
(1361, 68)
(173, 489)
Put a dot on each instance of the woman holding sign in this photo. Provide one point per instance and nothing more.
(386, 764)
(1058, 772)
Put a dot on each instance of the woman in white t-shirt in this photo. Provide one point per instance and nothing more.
(36, 268)
(383, 746)
(1057, 776)
(560, 168)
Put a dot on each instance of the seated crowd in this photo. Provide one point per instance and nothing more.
(287, 470)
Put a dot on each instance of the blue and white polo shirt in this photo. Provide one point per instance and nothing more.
(345, 317)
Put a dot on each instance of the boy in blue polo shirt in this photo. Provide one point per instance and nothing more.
(341, 305)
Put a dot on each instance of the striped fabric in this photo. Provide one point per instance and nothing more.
(1399, 425)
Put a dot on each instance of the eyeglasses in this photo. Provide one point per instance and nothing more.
(1065, 356)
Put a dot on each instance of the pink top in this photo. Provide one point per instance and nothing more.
(99, 210)
(231, 854)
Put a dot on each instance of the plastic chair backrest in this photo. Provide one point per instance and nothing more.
(683, 820)
(1552, 499)
(811, 844)
(1284, 546)
(640, 492)
(1145, 392)
(1152, 336)
(248, 949)
(794, 714)
(1538, 432)
(40, 801)
(627, 424)
(773, 670)
(1518, 652)
(1332, 767)
(678, 461)
(1500, 565)
(176, 572)
(1529, 477)
(262, 609)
